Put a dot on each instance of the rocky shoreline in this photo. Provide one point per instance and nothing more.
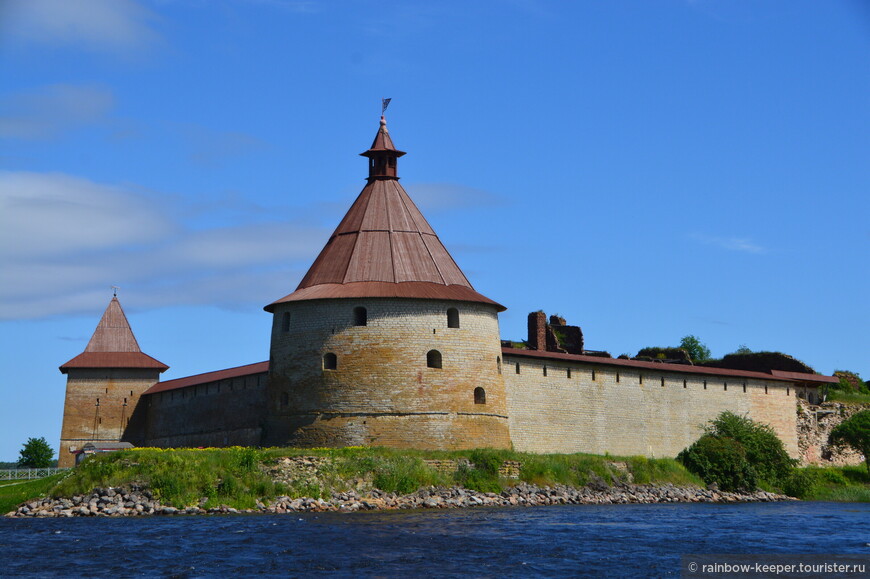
(119, 502)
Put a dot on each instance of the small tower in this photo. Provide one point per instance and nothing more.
(103, 387)
(385, 342)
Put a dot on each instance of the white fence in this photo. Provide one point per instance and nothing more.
(28, 473)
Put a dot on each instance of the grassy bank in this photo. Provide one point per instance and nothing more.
(238, 477)
(842, 484)
(13, 493)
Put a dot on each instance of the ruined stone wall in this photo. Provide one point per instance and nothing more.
(815, 423)
(627, 411)
(99, 407)
(381, 391)
(221, 413)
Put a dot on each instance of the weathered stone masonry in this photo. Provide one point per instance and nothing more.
(381, 391)
(624, 410)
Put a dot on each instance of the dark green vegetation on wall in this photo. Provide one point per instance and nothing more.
(851, 388)
(854, 433)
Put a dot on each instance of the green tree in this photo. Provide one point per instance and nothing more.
(743, 349)
(698, 352)
(36, 453)
(854, 433)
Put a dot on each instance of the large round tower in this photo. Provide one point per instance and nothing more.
(385, 342)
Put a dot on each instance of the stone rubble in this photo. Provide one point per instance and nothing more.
(117, 502)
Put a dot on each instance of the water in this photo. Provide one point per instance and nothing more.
(583, 540)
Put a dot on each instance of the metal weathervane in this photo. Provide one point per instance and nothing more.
(115, 290)
(384, 104)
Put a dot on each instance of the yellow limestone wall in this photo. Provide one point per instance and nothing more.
(558, 414)
(382, 392)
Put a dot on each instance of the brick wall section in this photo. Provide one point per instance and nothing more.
(557, 414)
(537, 334)
(221, 413)
(84, 420)
(382, 392)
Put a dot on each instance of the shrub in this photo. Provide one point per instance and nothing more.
(722, 461)
(854, 433)
(738, 453)
(801, 483)
(764, 450)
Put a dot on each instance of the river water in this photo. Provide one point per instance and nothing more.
(558, 541)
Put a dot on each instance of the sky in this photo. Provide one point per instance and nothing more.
(646, 169)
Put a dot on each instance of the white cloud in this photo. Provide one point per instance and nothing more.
(47, 111)
(743, 244)
(57, 215)
(65, 240)
(115, 25)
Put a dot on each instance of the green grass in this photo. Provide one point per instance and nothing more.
(178, 477)
(850, 397)
(842, 484)
(13, 493)
(232, 476)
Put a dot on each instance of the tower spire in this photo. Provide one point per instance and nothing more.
(382, 154)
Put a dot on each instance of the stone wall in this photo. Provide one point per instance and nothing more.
(628, 411)
(99, 407)
(381, 390)
(814, 425)
(222, 413)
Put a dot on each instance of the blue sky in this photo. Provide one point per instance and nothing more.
(645, 169)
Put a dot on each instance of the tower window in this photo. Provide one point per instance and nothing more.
(479, 395)
(617, 376)
(545, 370)
(744, 387)
(433, 359)
(705, 384)
(518, 368)
(330, 361)
(568, 373)
(285, 322)
(640, 378)
(452, 318)
(360, 316)
(725, 384)
(593, 376)
(498, 363)
(684, 384)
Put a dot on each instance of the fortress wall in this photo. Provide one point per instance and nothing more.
(558, 414)
(99, 406)
(221, 413)
(381, 391)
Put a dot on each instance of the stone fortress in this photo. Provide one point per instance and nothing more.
(386, 343)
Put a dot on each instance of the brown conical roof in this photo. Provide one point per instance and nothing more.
(384, 247)
(113, 345)
(383, 141)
